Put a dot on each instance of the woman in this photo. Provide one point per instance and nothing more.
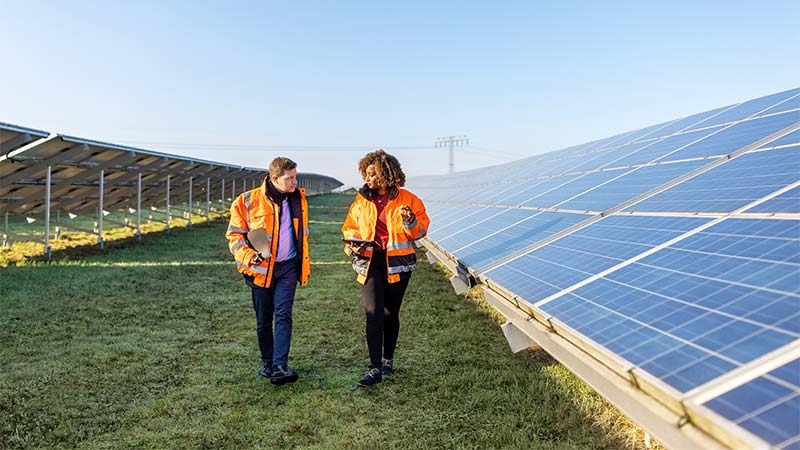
(391, 218)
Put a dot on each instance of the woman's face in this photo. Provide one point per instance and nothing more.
(373, 179)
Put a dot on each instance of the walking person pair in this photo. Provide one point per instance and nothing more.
(268, 236)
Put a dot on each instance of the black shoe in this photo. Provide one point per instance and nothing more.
(388, 367)
(266, 372)
(373, 376)
(283, 375)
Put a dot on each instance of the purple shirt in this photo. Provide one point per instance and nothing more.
(286, 248)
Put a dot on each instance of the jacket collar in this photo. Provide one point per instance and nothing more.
(369, 194)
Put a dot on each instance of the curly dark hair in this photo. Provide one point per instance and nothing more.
(388, 167)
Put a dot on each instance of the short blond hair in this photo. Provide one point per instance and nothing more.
(280, 165)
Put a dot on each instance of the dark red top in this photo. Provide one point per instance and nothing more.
(381, 231)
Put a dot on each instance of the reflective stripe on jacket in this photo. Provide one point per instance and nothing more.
(252, 210)
(400, 255)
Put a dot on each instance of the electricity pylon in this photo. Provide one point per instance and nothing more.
(451, 142)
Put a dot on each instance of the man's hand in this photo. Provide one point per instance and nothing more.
(256, 260)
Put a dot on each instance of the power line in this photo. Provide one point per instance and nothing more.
(260, 147)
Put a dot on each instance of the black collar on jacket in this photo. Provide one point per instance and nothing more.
(369, 194)
(277, 196)
(273, 193)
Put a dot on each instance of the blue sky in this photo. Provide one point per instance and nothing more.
(323, 82)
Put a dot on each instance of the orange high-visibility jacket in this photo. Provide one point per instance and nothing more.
(252, 210)
(360, 224)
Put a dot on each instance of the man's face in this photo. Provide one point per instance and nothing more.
(287, 182)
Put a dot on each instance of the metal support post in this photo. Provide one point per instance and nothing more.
(208, 200)
(139, 207)
(100, 210)
(169, 217)
(190, 203)
(222, 198)
(6, 240)
(47, 212)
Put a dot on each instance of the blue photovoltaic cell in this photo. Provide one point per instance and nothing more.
(792, 138)
(650, 132)
(467, 195)
(748, 108)
(502, 191)
(768, 406)
(531, 227)
(790, 104)
(731, 185)
(683, 124)
(575, 186)
(586, 252)
(439, 211)
(659, 149)
(478, 229)
(544, 165)
(736, 137)
(630, 185)
(788, 202)
(608, 157)
(517, 192)
(535, 189)
(471, 215)
(440, 221)
(710, 302)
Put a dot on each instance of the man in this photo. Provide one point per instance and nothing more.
(268, 237)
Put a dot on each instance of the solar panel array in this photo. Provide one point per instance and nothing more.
(675, 248)
(77, 165)
(43, 173)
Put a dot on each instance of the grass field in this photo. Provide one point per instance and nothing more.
(77, 237)
(153, 346)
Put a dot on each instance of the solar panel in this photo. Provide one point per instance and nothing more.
(730, 186)
(43, 173)
(768, 406)
(762, 105)
(670, 254)
(13, 137)
(513, 230)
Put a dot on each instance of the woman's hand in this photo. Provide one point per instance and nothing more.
(408, 215)
(355, 248)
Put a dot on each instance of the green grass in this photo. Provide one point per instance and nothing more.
(27, 239)
(153, 346)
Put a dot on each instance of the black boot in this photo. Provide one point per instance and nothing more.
(283, 375)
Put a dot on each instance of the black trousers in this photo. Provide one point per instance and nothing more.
(381, 301)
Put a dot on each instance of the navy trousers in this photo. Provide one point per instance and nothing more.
(275, 303)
